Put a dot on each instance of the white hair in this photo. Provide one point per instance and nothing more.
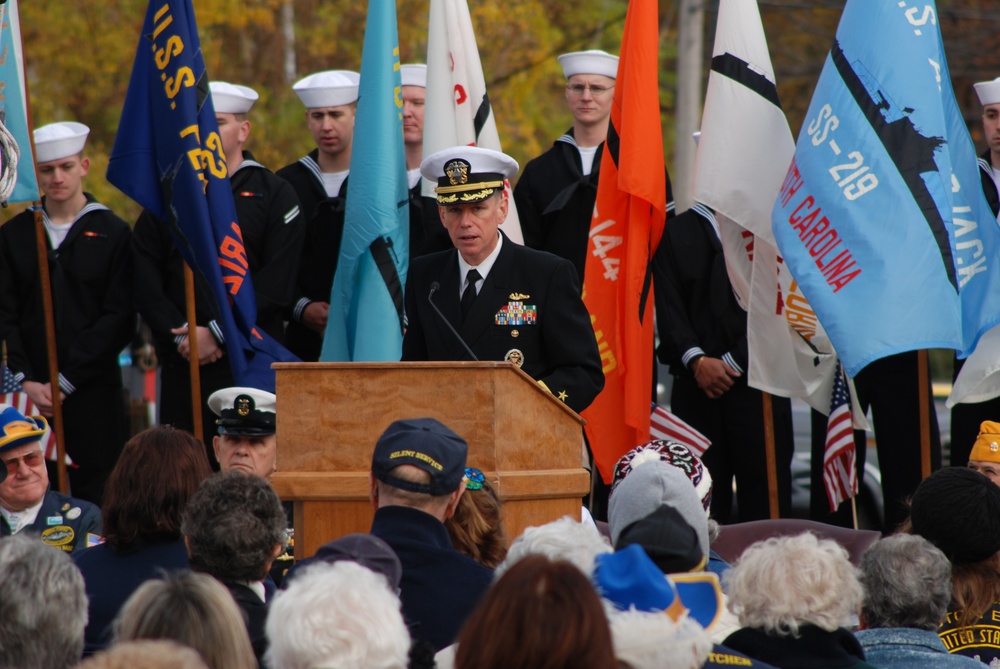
(783, 583)
(651, 640)
(339, 615)
(563, 539)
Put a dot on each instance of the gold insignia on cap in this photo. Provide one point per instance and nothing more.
(457, 171)
(514, 356)
(244, 405)
(515, 333)
(994, 447)
(519, 296)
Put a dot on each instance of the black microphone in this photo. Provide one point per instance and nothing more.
(435, 287)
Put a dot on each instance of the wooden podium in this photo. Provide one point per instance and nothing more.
(526, 442)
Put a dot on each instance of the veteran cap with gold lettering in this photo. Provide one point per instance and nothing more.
(244, 412)
(424, 443)
(59, 140)
(594, 61)
(331, 88)
(467, 174)
(230, 98)
(987, 446)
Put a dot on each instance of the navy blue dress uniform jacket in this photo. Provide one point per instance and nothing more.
(63, 521)
(273, 229)
(440, 586)
(324, 223)
(530, 303)
(555, 201)
(91, 279)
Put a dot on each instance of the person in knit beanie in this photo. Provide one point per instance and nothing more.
(958, 510)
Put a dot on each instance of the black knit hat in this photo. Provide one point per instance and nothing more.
(958, 510)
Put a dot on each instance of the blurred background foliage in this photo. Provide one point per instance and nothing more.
(79, 58)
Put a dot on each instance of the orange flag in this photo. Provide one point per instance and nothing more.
(626, 228)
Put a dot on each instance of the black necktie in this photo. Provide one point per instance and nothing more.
(469, 295)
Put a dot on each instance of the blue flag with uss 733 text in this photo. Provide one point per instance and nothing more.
(881, 217)
(366, 302)
(168, 157)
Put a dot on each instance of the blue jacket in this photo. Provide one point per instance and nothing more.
(111, 577)
(908, 648)
(440, 586)
(63, 521)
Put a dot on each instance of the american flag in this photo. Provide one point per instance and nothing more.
(665, 425)
(840, 474)
(11, 393)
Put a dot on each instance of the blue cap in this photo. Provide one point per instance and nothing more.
(425, 443)
(16, 429)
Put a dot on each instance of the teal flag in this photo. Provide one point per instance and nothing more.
(13, 102)
(366, 303)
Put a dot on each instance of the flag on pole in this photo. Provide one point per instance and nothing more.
(665, 425)
(881, 217)
(625, 230)
(14, 102)
(742, 122)
(366, 301)
(11, 393)
(457, 111)
(168, 157)
(840, 473)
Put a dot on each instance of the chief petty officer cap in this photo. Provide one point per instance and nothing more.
(589, 62)
(467, 174)
(232, 98)
(988, 91)
(987, 446)
(425, 443)
(414, 75)
(331, 88)
(16, 430)
(244, 412)
(59, 140)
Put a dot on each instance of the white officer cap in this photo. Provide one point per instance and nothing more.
(589, 62)
(244, 411)
(232, 98)
(414, 75)
(59, 140)
(467, 173)
(331, 88)
(988, 91)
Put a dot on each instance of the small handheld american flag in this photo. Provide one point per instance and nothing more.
(840, 473)
(13, 394)
(665, 425)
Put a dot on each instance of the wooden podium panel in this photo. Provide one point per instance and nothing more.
(330, 415)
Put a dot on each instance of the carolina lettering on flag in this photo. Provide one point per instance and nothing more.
(665, 425)
(11, 393)
(744, 151)
(457, 111)
(881, 217)
(13, 101)
(366, 301)
(626, 228)
(168, 157)
(840, 473)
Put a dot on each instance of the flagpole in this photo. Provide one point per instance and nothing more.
(772, 467)
(41, 244)
(193, 363)
(925, 417)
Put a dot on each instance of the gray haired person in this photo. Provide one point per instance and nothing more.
(907, 588)
(43, 606)
(234, 528)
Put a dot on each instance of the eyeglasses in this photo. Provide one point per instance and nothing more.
(32, 459)
(576, 90)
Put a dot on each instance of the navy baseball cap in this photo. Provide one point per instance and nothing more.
(425, 443)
